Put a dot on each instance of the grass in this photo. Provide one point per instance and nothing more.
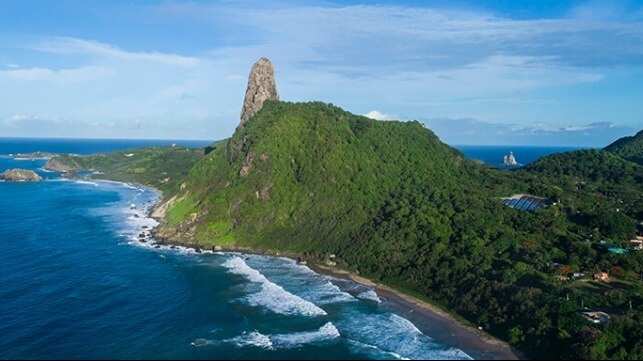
(181, 210)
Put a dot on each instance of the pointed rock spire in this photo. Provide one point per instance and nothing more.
(261, 86)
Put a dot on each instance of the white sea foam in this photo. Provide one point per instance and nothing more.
(272, 296)
(369, 295)
(326, 333)
(394, 334)
(94, 184)
(200, 342)
(58, 180)
(310, 286)
(252, 339)
(373, 351)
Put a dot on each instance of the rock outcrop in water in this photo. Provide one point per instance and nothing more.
(20, 175)
(261, 86)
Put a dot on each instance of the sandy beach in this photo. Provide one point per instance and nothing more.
(433, 321)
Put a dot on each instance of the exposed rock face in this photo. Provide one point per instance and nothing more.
(56, 165)
(261, 86)
(20, 175)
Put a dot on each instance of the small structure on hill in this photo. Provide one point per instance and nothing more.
(601, 276)
(526, 202)
(595, 316)
(637, 243)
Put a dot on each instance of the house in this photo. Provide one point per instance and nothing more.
(601, 276)
(596, 316)
(637, 243)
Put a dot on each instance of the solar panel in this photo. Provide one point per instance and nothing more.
(526, 204)
(520, 203)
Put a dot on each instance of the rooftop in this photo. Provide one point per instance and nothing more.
(526, 202)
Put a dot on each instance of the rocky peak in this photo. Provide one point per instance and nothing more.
(261, 86)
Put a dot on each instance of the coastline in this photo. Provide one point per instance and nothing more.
(428, 318)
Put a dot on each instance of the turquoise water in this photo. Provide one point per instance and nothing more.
(76, 283)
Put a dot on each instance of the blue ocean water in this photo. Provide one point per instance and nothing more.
(493, 154)
(76, 283)
(85, 146)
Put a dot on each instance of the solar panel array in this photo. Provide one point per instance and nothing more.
(526, 203)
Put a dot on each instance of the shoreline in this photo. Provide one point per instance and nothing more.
(428, 318)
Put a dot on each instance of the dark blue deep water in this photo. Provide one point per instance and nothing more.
(75, 283)
(493, 154)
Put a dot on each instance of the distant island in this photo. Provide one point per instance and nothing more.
(509, 160)
(388, 201)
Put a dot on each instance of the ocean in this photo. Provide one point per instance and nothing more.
(76, 283)
(493, 154)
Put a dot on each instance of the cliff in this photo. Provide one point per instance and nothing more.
(261, 87)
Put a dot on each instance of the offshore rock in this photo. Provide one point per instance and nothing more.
(20, 175)
(261, 87)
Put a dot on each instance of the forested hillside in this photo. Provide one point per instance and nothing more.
(396, 204)
(630, 148)
(164, 168)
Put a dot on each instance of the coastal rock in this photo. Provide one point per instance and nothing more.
(261, 86)
(56, 165)
(20, 175)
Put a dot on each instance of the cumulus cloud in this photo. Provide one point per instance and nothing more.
(377, 115)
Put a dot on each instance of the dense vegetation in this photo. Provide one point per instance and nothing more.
(392, 201)
(163, 168)
(630, 148)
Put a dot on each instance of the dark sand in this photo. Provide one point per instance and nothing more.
(433, 321)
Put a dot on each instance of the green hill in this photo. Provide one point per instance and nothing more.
(314, 172)
(161, 167)
(392, 201)
(593, 185)
(630, 148)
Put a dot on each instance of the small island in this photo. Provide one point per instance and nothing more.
(510, 160)
(20, 175)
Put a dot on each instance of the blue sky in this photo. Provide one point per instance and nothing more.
(494, 72)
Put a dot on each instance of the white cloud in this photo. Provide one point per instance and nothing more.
(60, 76)
(70, 46)
(377, 115)
(472, 131)
(413, 61)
